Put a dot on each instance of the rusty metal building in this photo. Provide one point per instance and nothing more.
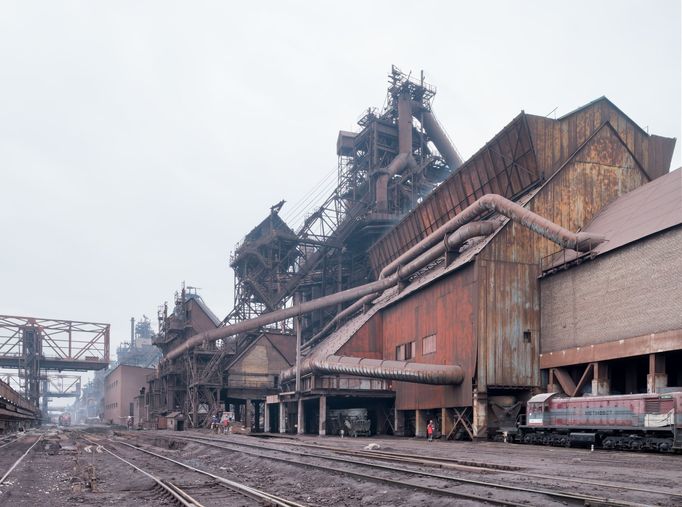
(611, 320)
(188, 384)
(480, 308)
(445, 319)
(400, 154)
(214, 377)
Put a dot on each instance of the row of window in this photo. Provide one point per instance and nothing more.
(111, 385)
(408, 350)
(111, 405)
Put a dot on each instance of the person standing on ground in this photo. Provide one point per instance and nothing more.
(429, 431)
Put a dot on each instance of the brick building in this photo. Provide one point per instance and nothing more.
(612, 320)
(121, 387)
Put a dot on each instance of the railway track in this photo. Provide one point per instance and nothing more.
(10, 439)
(352, 461)
(182, 497)
(174, 492)
(468, 465)
(20, 459)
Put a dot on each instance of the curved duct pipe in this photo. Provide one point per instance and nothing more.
(404, 157)
(398, 164)
(452, 242)
(404, 371)
(580, 241)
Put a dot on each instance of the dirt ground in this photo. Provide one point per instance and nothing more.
(65, 470)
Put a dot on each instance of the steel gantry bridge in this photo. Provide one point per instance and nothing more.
(33, 346)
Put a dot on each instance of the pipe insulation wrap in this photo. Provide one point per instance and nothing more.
(403, 371)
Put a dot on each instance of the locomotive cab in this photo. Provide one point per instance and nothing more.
(537, 409)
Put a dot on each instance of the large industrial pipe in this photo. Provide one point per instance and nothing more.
(581, 241)
(404, 371)
(441, 140)
(404, 124)
(398, 164)
(283, 314)
(452, 242)
(404, 157)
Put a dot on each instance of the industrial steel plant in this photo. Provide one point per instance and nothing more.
(530, 294)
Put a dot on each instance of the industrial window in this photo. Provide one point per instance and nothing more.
(406, 351)
(410, 350)
(526, 336)
(429, 344)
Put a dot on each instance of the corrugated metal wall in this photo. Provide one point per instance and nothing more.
(368, 341)
(556, 140)
(444, 309)
(509, 266)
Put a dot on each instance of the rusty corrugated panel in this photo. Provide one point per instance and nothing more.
(556, 140)
(506, 163)
(646, 210)
(367, 341)
(597, 174)
(444, 309)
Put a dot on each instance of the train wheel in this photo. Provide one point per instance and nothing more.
(608, 443)
(665, 446)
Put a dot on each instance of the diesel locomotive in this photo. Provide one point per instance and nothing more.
(630, 422)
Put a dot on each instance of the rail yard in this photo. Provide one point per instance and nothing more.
(434, 323)
(95, 466)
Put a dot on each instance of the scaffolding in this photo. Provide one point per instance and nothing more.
(328, 252)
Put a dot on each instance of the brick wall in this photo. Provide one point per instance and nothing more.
(632, 291)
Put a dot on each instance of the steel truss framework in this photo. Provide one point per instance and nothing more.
(327, 253)
(32, 345)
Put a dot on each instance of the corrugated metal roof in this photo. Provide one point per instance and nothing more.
(651, 208)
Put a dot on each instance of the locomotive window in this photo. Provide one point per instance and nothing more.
(535, 413)
(400, 352)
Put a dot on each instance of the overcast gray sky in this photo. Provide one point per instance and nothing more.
(139, 141)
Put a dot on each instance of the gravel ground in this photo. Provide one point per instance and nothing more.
(64, 470)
